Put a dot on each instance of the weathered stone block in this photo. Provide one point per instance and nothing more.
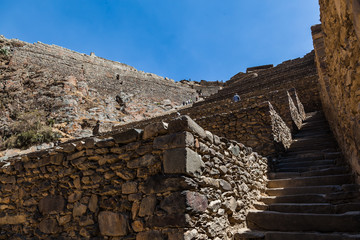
(84, 233)
(70, 147)
(235, 150)
(64, 219)
(75, 196)
(11, 220)
(161, 184)
(112, 224)
(225, 185)
(105, 143)
(174, 203)
(185, 123)
(144, 161)
(89, 143)
(154, 129)
(75, 155)
(142, 150)
(51, 204)
(93, 203)
(129, 136)
(8, 179)
(176, 140)
(209, 136)
(198, 202)
(56, 159)
(182, 161)
(216, 140)
(137, 226)
(79, 209)
(150, 235)
(49, 226)
(174, 220)
(147, 206)
(125, 174)
(129, 187)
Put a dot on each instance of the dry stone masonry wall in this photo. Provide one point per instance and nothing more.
(170, 181)
(337, 46)
(298, 73)
(248, 121)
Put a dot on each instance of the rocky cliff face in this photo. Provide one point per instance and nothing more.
(337, 48)
(75, 90)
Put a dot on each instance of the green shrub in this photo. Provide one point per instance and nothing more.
(30, 129)
(31, 137)
(4, 51)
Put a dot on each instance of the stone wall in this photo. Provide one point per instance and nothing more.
(259, 127)
(247, 121)
(337, 47)
(170, 181)
(298, 73)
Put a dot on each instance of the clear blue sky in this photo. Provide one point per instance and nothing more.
(197, 39)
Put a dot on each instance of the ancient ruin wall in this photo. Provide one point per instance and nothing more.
(251, 124)
(107, 76)
(337, 45)
(258, 127)
(247, 121)
(298, 73)
(166, 182)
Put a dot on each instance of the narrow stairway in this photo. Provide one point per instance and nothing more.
(311, 193)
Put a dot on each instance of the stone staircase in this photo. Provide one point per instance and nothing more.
(311, 193)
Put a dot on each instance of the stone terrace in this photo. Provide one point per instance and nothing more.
(247, 120)
(160, 183)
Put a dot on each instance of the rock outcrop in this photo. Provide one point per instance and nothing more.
(75, 90)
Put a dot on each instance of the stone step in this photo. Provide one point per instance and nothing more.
(298, 198)
(315, 138)
(326, 140)
(310, 236)
(320, 208)
(309, 157)
(291, 153)
(258, 235)
(325, 189)
(318, 123)
(320, 172)
(304, 164)
(305, 169)
(347, 207)
(314, 127)
(310, 181)
(277, 221)
(312, 147)
(311, 132)
(307, 198)
(245, 233)
(305, 144)
(304, 153)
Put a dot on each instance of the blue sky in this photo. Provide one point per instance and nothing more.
(179, 39)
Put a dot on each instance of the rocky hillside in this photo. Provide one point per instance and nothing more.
(71, 91)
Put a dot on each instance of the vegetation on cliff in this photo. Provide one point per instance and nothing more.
(30, 128)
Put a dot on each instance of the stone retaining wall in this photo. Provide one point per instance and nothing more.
(247, 121)
(298, 73)
(170, 181)
(337, 47)
(259, 127)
